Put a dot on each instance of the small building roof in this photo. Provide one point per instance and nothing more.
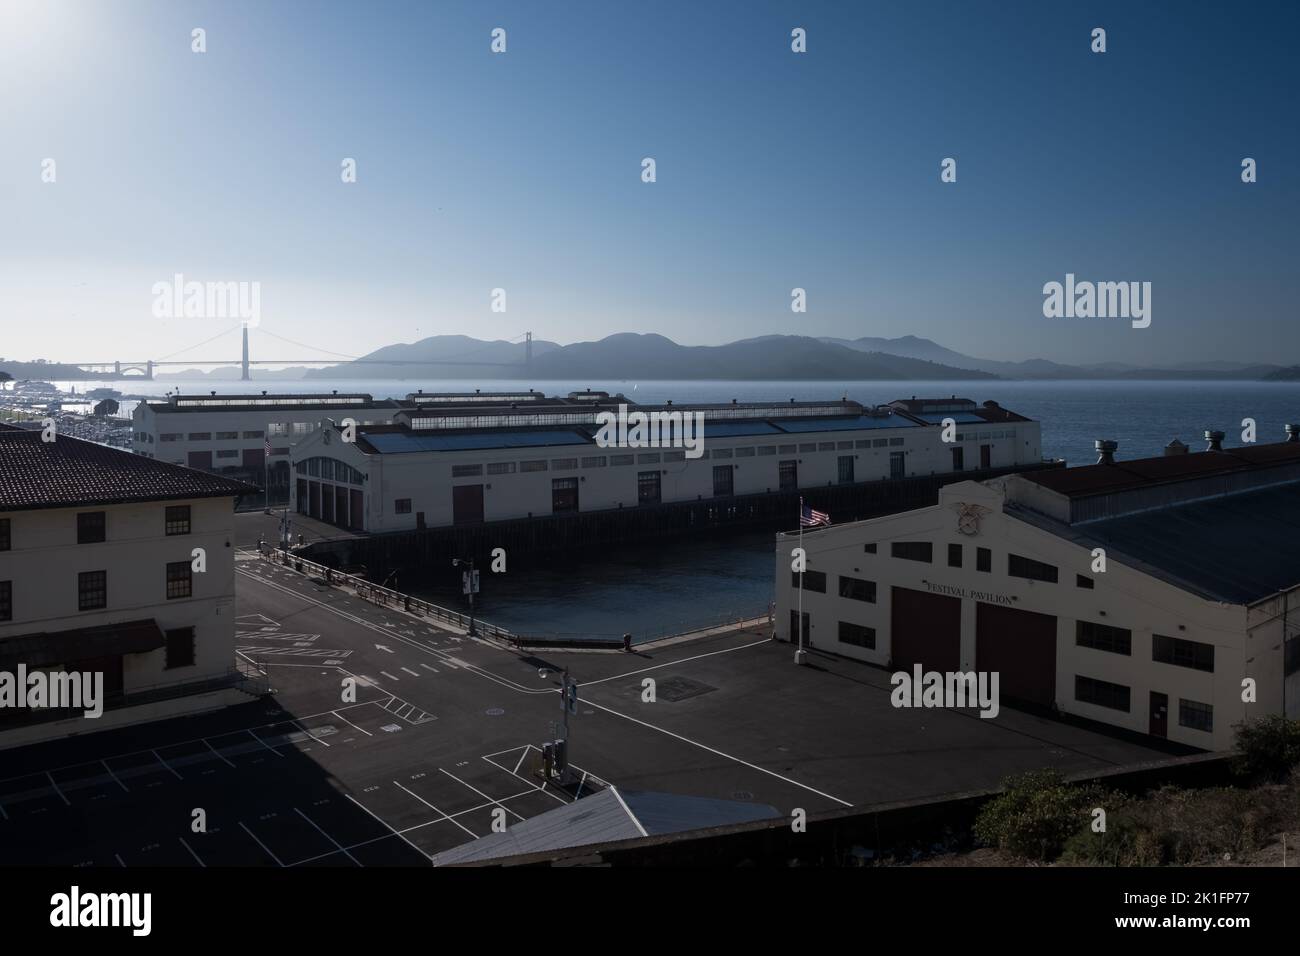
(71, 473)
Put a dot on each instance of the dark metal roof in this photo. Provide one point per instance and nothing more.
(80, 644)
(69, 473)
(1143, 472)
(1237, 548)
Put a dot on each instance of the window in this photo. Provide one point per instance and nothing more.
(674, 456)
(788, 475)
(402, 506)
(90, 527)
(1021, 567)
(564, 495)
(228, 453)
(723, 453)
(5, 541)
(826, 446)
(200, 436)
(787, 449)
(180, 648)
(897, 466)
(846, 470)
(180, 580)
(983, 560)
(744, 453)
(844, 445)
(501, 468)
(647, 488)
(6, 600)
(1182, 653)
(532, 466)
(895, 441)
(177, 519)
(857, 635)
(621, 460)
(767, 450)
(954, 556)
(869, 548)
(808, 446)
(958, 458)
(1196, 715)
(913, 550)
(596, 461)
(812, 580)
(1291, 656)
(856, 589)
(92, 590)
(227, 436)
(254, 434)
(564, 464)
(1082, 581)
(650, 458)
(170, 436)
(1089, 690)
(466, 471)
(880, 443)
(1103, 637)
(722, 480)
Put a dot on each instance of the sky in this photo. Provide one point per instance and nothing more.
(522, 171)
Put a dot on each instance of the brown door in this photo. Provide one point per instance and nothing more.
(254, 458)
(986, 456)
(313, 496)
(794, 629)
(327, 503)
(302, 496)
(1159, 715)
(1021, 647)
(467, 504)
(341, 507)
(357, 511)
(201, 459)
(924, 629)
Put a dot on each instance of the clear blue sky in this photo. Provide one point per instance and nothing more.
(775, 170)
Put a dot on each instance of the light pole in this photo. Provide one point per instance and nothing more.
(471, 587)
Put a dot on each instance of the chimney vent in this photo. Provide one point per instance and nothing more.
(1293, 432)
(1106, 451)
(1175, 447)
(1213, 441)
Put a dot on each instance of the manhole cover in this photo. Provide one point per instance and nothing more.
(741, 795)
(680, 688)
(495, 711)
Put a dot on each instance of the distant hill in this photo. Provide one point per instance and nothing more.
(634, 356)
(1291, 374)
(228, 373)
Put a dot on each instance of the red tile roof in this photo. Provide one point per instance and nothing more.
(69, 472)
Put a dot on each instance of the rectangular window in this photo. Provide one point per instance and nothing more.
(5, 541)
(812, 580)
(564, 464)
(1087, 583)
(826, 446)
(564, 495)
(895, 441)
(595, 461)
(647, 488)
(170, 436)
(92, 590)
(862, 443)
(954, 555)
(722, 453)
(722, 480)
(1103, 637)
(402, 506)
(856, 589)
(6, 600)
(897, 466)
(227, 436)
(498, 468)
(983, 560)
(200, 436)
(913, 550)
(846, 470)
(674, 456)
(1089, 690)
(535, 465)
(1196, 715)
(766, 450)
(869, 548)
(465, 471)
(1291, 656)
(180, 648)
(788, 449)
(880, 443)
(90, 527)
(176, 520)
(256, 434)
(843, 445)
(1021, 567)
(857, 635)
(744, 453)
(621, 460)
(228, 453)
(788, 475)
(808, 446)
(180, 580)
(650, 458)
(1182, 653)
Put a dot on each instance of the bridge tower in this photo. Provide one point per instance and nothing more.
(244, 376)
(528, 352)
(117, 369)
(148, 370)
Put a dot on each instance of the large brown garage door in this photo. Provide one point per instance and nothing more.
(925, 629)
(1021, 647)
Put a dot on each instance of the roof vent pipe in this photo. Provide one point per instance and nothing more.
(1293, 432)
(1106, 451)
(1213, 441)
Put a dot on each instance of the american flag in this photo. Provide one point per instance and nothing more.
(811, 518)
(268, 444)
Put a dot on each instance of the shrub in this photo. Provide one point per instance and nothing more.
(1267, 747)
(1037, 813)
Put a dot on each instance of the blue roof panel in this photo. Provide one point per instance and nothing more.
(388, 443)
(737, 429)
(861, 423)
(961, 418)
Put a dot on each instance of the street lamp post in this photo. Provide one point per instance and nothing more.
(470, 588)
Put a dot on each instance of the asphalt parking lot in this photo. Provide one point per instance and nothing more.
(389, 739)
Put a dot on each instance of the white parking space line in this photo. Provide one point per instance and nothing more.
(118, 857)
(166, 764)
(386, 824)
(390, 676)
(3, 815)
(411, 672)
(521, 760)
(428, 667)
(327, 836)
(725, 650)
(215, 751)
(261, 844)
(436, 810)
(265, 744)
(114, 776)
(536, 787)
(350, 723)
(66, 801)
(197, 858)
(479, 792)
(309, 734)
